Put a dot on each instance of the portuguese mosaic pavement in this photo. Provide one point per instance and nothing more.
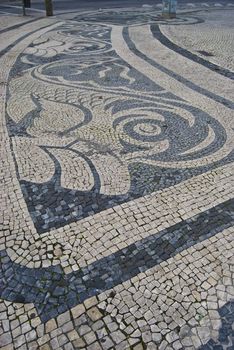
(117, 182)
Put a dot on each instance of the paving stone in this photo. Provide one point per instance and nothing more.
(73, 335)
(45, 347)
(50, 325)
(78, 343)
(138, 347)
(94, 314)
(90, 302)
(77, 311)
(31, 336)
(117, 336)
(156, 337)
(94, 346)
(68, 346)
(5, 339)
(84, 329)
(106, 343)
(64, 318)
(67, 327)
(90, 337)
(43, 340)
(54, 343)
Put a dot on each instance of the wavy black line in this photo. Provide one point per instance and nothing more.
(166, 42)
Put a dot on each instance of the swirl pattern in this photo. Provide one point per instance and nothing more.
(96, 125)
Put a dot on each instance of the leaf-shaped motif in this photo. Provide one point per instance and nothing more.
(76, 173)
(55, 118)
(19, 105)
(33, 163)
(114, 175)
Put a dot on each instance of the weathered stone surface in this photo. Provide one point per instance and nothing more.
(117, 180)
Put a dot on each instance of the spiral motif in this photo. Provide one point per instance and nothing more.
(178, 134)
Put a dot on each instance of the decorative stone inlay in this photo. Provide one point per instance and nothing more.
(116, 187)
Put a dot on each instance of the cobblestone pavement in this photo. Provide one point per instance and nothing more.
(117, 181)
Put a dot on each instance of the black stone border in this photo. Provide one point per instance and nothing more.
(53, 292)
(189, 84)
(155, 29)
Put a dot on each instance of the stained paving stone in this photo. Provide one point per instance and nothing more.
(106, 343)
(90, 302)
(117, 173)
(50, 326)
(73, 335)
(77, 311)
(45, 347)
(94, 314)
